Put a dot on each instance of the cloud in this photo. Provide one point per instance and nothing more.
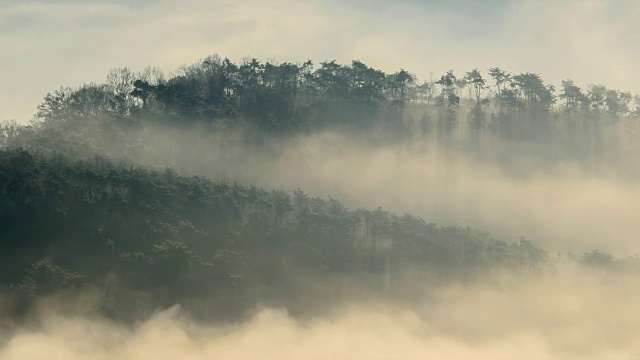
(563, 209)
(60, 11)
(577, 315)
(559, 206)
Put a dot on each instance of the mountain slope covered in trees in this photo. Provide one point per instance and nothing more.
(78, 210)
(68, 224)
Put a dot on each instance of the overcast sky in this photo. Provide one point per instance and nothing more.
(47, 44)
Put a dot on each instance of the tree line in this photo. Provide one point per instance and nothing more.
(484, 113)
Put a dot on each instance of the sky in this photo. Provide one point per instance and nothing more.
(48, 44)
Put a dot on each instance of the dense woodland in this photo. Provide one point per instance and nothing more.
(77, 211)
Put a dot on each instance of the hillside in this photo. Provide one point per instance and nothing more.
(99, 191)
(68, 224)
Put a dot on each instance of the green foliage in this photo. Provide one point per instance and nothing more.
(44, 277)
(159, 231)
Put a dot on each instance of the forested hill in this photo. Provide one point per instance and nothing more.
(78, 211)
(67, 224)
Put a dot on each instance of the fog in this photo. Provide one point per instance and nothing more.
(576, 315)
(559, 205)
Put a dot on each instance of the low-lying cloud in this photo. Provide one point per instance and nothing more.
(562, 207)
(578, 316)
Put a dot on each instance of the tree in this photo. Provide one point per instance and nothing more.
(423, 91)
(55, 107)
(597, 95)
(281, 204)
(151, 75)
(461, 84)
(403, 79)
(613, 104)
(332, 80)
(367, 83)
(477, 82)
(624, 98)
(597, 258)
(88, 104)
(448, 94)
(536, 94)
(571, 94)
(121, 82)
(500, 77)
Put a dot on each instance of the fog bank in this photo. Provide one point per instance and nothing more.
(584, 315)
(561, 206)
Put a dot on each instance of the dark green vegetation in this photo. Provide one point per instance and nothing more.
(77, 210)
(65, 224)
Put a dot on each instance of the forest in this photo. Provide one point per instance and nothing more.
(91, 198)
